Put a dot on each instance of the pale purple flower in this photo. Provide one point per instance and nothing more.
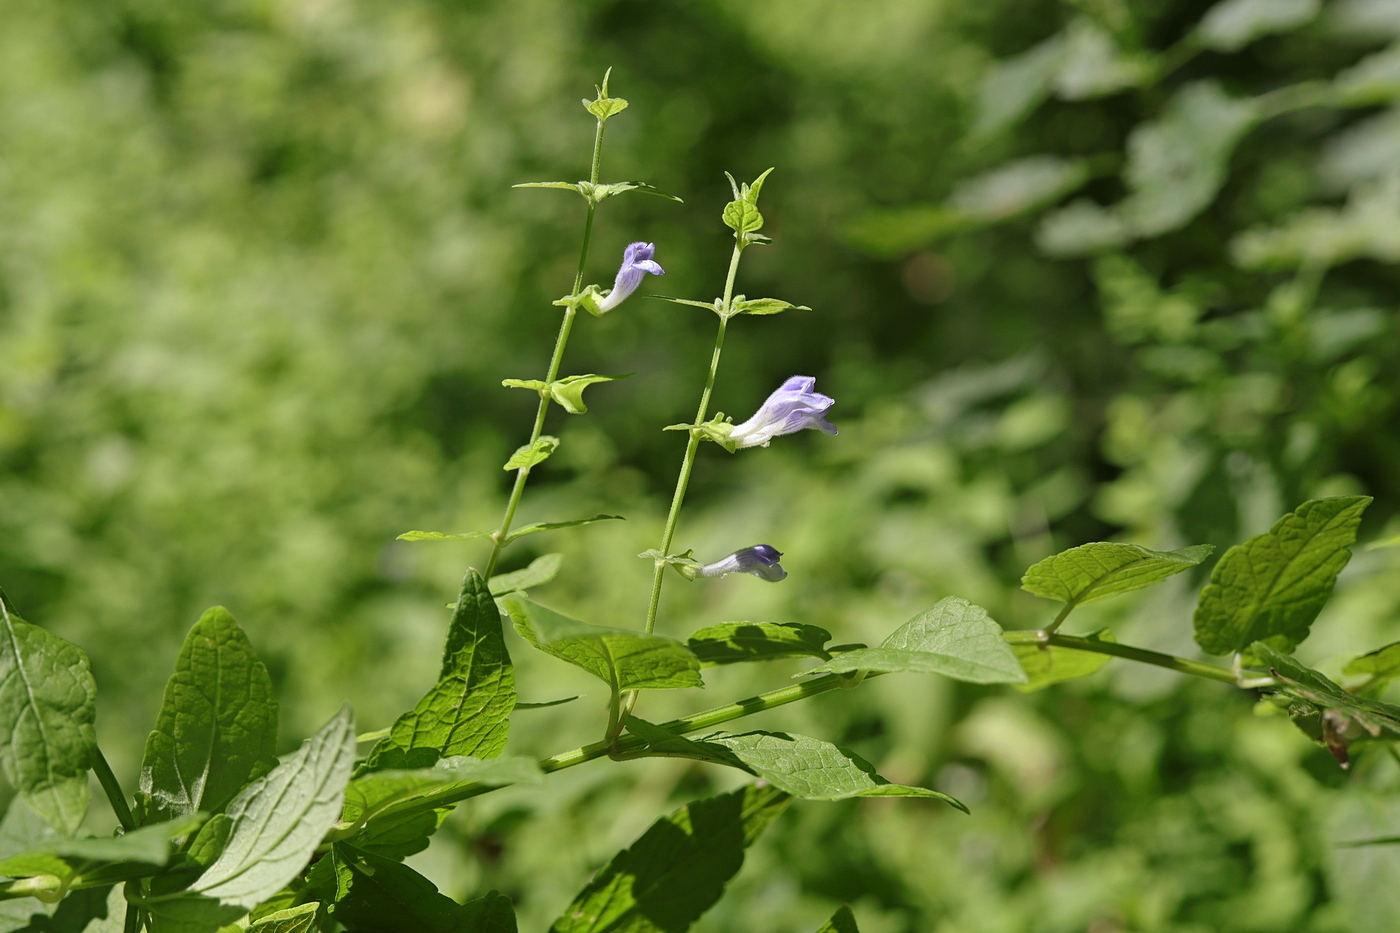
(761, 560)
(636, 264)
(792, 407)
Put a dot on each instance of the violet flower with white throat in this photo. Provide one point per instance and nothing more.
(761, 560)
(636, 265)
(794, 405)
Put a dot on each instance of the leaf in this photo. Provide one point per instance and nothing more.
(677, 869)
(534, 385)
(189, 913)
(1092, 65)
(1016, 187)
(541, 570)
(1393, 541)
(1380, 667)
(549, 184)
(605, 107)
(814, 769)
(843, 921)
(1233, 24)
(292, 920)
(742, 217)
(1081, 228)
(68, 857)
(665, 742)
(441, 535)
(1177, 163)
(954, 638)
(1271, 587)
(1052, 664)
(537, 527)
(1016, 86)
(731, 642)
(279, 820)
(601, 192)
(1373, 80)
(537, 451)
(217, 725)
(707, 305)
(1095, 571)
(546, 704)
(47, 707)
(379, 895)
(492, 912)
(765, 306)
(568, 392)
(468, 711)
(621, 658)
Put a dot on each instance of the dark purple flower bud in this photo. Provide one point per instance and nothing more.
(761, 560)
(792, 407)
(636, 264)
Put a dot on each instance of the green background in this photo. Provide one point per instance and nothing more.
(262, 271)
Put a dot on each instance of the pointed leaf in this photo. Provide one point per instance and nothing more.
(378, 895)
(548, 184)
(66, 857)
(1052, 664)
(468, 711)
(492, 912)
(217, 725)
(622, 658)
(568, 392)
(954, 638)
(279, 820)
(606, 107)
(678, 868)
(442, 535)
(1272, 587)
(47, 706)
(707, 305)
(534, 385)
(843, 921)
(660, 741)
(622, 187)
(1380, 667)
(541, 570)
(537, 527)
(766, 306)
(731, 642)
(292, 920)
(742, 217)
(546, 704)
(1337, 707)
(527, 455)
(1102, 569)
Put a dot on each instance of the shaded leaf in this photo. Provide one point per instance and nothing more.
(954, 638)
(678, 868)
(292, 920)
(1052, 664)
(1271, 587)
(66, 857)
(217, 725)
(189, 913)
(731, 642)
(1102, 569)
(492, 912)
(843, 921)
(1231, 25)
(622, 658)
(1373, 715)
(537, 527)
(541, 570)
(528, 455)
(379, 895)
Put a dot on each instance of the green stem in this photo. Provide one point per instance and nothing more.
(501, 535)
(1059, 619)
(133, 919)
(112, 789)
(1142, 655)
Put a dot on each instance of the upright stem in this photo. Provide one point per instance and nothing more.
(112, 789)
(501, 535)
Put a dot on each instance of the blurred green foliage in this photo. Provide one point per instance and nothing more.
(1078, 271)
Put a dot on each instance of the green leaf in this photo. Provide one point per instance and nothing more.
(568, 392)
(1095, 571)
(534, 385)
(541, 570)
(678, 868)
(468, 711)
(292, 920)
(707, 305)
(731, 642)
(189, 913)
(621, 658)
(546, 704)
(1380, 667)
(1016, 86)
(68, 858)
(1373, 80)
(1271, 587)
(665, 742)
(954, 638)
(1081, 228)
(605, 107)
(843, 921)
(742, 217)
(1052, 664)
(600, 192)
(1094, 66)
(374, 894)
(549, 184)
(744, 305)
(442, 535)
(492, 912)
(1393, 541)
(279, 820)
(814, 769)
(527, 455)
(217, 725)
(537, 527)
(47, 706)
(1233, 24)
(1016, 188)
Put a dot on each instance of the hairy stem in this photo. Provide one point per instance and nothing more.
(113, 789)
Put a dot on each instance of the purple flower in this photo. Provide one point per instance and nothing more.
(792, 407)
(761, 560)
(636, 263)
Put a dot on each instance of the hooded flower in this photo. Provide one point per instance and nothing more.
(636, 263)
(792, 407)
(761, 560)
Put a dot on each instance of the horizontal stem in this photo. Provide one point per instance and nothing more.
(1142, 655)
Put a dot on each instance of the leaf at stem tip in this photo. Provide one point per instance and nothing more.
(843, 921)
(541, 570)
(742, 217)
(732, 642)
(1052, 664)
(47, 706)
(1271, 587)
(536, 527)
(677, 870)
(622, 658)
(1102, 569)
(528, 455)
(954, 638)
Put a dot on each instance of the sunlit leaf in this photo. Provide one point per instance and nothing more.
(535, 452)
(1103, 569)
(541, 570)
(1052, 664)
(536, 527)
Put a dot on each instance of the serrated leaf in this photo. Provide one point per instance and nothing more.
(535, 452)
(47, 707)
(732, 642)
(742, 217)
(1052, 664)
(568, 392)
(677, 869)
(492, 912)
(217, 725)
(374, 894)
(766, 306)
(814, 769)
(541, 570)
(1271, 587)
(622, 658)
(279, 820)
(549, 184)
(843, 921)
(536, 527)
(1380, 667)
(292, 920)
(442, 535)
(1095, 571)
(467, 712)
(954, 638)
(1231, 25)
(606, 107)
